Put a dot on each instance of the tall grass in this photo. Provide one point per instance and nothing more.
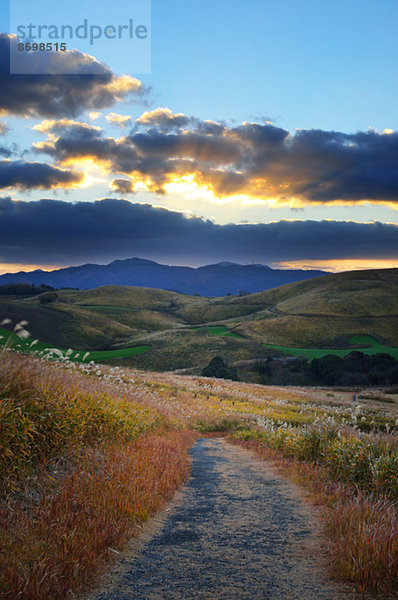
(368, 461)
(45, 412)
(58, 544)
(81, 466)
(361, 524)
(364, 534)
(87, 452)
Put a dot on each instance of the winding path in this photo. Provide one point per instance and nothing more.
(236, 531)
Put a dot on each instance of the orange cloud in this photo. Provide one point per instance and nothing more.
(252, 161)
(51, 125)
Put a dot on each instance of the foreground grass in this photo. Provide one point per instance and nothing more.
(58, 544)
(87, 452)
(362, 529)
(356, 480)
(81, 467)
(370, 462)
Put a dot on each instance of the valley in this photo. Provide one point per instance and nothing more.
(162, 330)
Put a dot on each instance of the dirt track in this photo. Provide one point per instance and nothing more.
(236, 531)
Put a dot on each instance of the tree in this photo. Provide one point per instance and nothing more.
(218, 368)
(327, 369)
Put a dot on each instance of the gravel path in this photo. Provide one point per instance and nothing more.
(236, 531)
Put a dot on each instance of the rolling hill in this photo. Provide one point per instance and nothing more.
(327, 311)
(184, 331)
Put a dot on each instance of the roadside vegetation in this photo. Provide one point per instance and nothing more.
(88, 452)
(82, 465)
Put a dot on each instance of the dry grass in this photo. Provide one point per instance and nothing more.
(46, 412)
(364, 532)
(87, 452)
(83, 460)
(362, 529)
(367, 461)
(58, 544)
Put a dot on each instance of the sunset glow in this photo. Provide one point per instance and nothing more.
(336, 266)
(16, 268)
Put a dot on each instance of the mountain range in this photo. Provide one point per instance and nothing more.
(211, 280)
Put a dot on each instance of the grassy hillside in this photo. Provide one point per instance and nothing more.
(328, 310)
(365, 290)
(184, 332)
(365, 343)
(107, 316)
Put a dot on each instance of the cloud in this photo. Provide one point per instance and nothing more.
(56, 232)
(30, 175)
(120, 120)
(164, 119)
(57, 95)
(123, 186)
(94, 115)
(8, 151)
(82, 141)
(56, 125)
(254, 160)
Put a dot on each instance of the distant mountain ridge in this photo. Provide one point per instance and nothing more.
(211, 280)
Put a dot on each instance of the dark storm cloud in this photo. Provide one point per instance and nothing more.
(29, 175)
(123, 186)
(195, 145)
(55, 232)
(258, 160)
(94, 86)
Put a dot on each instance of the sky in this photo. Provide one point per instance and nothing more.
(263, 131)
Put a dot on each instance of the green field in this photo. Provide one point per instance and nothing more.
(218, 330)
(99, 355)
(365, 340)
(28, 345)
(372, 347)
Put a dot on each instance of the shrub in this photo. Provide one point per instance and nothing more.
(48, 297)
(218, 368)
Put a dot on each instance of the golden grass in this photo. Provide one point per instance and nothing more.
(46, 411)
(83, 460)
(362, 529)
(87, 452)
(56, 544)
